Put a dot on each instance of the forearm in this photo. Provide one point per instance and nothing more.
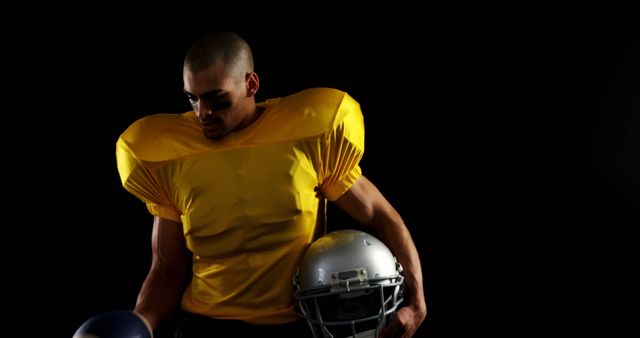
(160, 294)
(364, 202)
(391, 229)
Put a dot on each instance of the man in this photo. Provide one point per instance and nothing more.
(240, 185)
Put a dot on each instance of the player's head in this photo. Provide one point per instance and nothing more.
(220, 83)
(348, 284)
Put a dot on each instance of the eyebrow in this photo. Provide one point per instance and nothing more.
(212, 94)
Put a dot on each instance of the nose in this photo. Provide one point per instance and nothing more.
(202, 110)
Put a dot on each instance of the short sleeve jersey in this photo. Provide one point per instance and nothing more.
(246, 202)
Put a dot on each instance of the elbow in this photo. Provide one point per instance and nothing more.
(168, 273)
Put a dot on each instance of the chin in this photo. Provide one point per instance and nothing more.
(214, 135)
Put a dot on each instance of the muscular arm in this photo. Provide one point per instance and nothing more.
(162, 289)
(364, 202)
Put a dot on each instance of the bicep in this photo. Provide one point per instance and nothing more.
(364, 202)
(168, 244)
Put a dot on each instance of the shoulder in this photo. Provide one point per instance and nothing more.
(157, 123)
(323, 102)
(318, 96)
(311, 112)
(160, 137)
(155, 127)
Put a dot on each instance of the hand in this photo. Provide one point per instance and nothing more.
(405, 323)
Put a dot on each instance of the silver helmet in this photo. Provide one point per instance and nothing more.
(348, 285)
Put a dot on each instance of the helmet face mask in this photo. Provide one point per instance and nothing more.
(348, 285)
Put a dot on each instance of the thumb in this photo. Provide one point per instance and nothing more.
(390, 330)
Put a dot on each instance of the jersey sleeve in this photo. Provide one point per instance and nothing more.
(138, 179)
(343, 149)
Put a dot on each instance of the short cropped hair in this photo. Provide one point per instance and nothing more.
(228, 47)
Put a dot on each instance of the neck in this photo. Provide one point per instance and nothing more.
(252, 117)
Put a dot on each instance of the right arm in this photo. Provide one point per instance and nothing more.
(162, 289)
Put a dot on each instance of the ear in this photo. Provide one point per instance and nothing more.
(253, 83)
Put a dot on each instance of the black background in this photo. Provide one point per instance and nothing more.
(509, 144)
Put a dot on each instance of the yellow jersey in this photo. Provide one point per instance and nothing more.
(246, 202)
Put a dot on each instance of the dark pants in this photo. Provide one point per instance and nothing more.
(195, 326)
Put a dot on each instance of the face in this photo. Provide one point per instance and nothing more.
(222, 102)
